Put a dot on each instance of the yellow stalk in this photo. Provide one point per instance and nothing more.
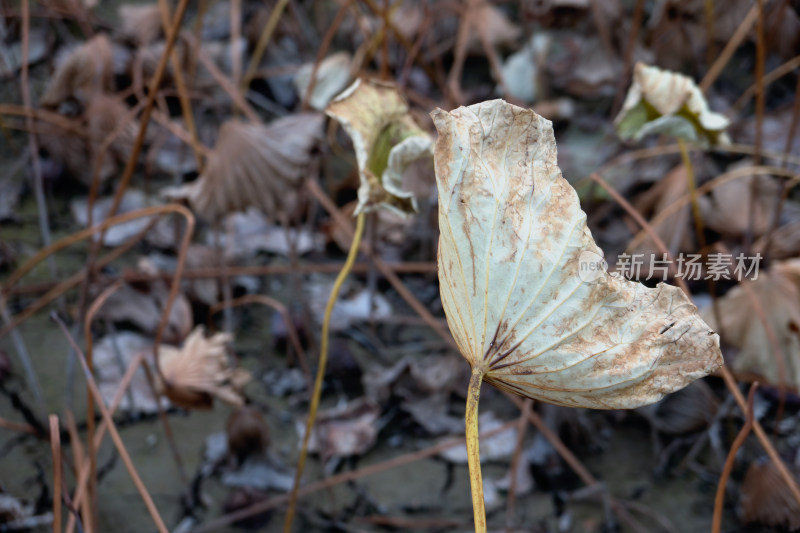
(473, 449)
(698, 220)
(323, 359)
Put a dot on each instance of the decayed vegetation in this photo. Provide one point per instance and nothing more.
(180, 184)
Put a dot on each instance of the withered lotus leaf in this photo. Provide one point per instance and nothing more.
(661, 101)
(513, 240)
(386, 141)
(253, 165)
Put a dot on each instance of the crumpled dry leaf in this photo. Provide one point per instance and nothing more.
(353, 306)
(143, 307)
(386, 141)
(523, 70)
(333, 75)
(778, 291)
(253, 165)
(141, 23)
(247, 233)
(116, 235)
(343, 431)
(765, 498)
(661, 101)
(688, 410)
(104, 117)
(83, 73)
(676, 230)
(726, 209)
(512, 247)
(199, 371)
(112, 355)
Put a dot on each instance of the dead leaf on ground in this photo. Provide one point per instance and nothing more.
(82, 73)
(333, 75)
(778, 291)
(253, 165)
(517, 298)
(143, 306)
(112, 355)
(199, 371)
(141, 23)
(688, 410)
(524, 70)
(386, 141)
(249, 233)
(726, 209)
(343, 431)
(132, 200)
(352, 306)
(765, 499)
(664, 102)
(676, 230)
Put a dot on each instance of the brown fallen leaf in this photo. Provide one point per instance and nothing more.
(778, 292)
(141, 23)
(676, 230)
(247, 433)
(198, 372)
(253, 165)
(521, 302)
(765, 499)
(344, 431)
(82, 73)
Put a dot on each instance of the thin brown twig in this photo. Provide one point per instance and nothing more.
(112, 429)
(719, 499)
(323, 49)
(725, 56)
(55, 448)
(522, 424)
(294, 338)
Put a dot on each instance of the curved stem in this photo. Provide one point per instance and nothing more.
(473, 449)
(323, 359)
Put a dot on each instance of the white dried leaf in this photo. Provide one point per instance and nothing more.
(512, 242)
(661, 101)
(333, 75)
(386, 141)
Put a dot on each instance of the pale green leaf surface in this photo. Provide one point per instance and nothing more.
(511, 233)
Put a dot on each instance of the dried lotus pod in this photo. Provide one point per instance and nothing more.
(199, 372)
(660, 101)
(253, 165)
(82, 74)
(386, 141)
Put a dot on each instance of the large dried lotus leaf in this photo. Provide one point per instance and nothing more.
(198, 372)
(253, 165)
(85, 72)
(512, 236)
(386, 141)
(664, 102)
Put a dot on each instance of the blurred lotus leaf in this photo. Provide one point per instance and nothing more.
(664, 102)
(386, 141)
(514, 262)
(82, 73)
(199, 371)
(332, 76)
(253, 164)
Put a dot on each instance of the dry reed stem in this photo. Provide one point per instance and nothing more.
(769, 78)
(45, 116)
(112, 429)
(522, 424)
(382, 267)
(321, 365)
(344, 477)
(627, 63)
(730, 382)
(17, 426)
(55, 448)
(736, 39)
(261, 45)
(228, 86)
(294, 338)
(707, 187)
(78, 458)
(719, 498)
(323, 49)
